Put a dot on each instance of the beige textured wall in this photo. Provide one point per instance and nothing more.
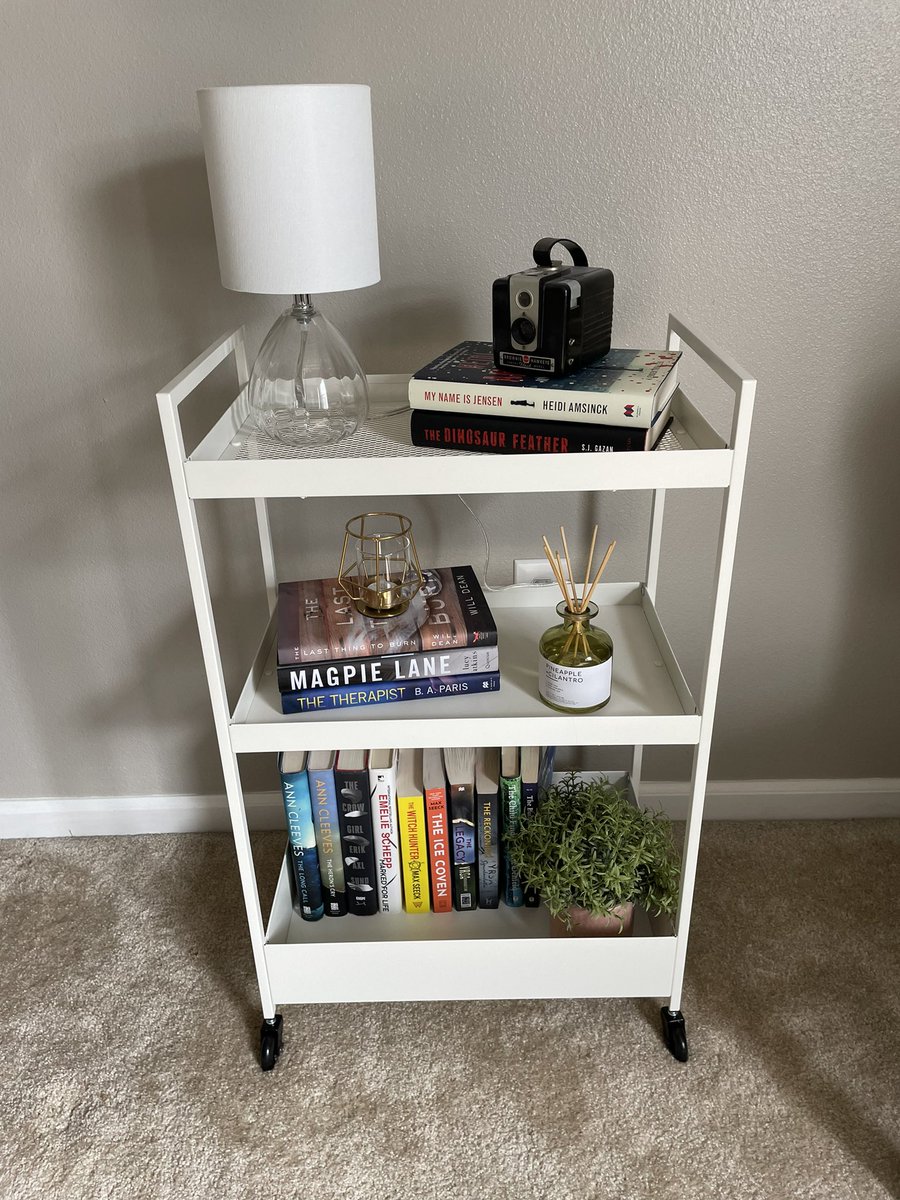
(734, 161)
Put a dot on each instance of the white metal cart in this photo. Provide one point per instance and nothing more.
(491, 954)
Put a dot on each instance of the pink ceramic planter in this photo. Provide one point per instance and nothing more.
(584, 924)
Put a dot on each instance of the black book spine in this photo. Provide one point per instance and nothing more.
(487, 807)
(529, 808)
(462, 829)
(357, 840)
(369, 672)
(508, 435)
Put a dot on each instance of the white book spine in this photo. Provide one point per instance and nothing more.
(501, 400)
(383, 792)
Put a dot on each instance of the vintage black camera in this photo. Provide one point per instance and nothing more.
(553, 319)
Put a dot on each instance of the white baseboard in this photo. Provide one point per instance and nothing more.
(781, 799)
(726, 800)
(86, 816)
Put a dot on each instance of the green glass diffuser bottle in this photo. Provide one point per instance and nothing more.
(575, 667)
(575, 658)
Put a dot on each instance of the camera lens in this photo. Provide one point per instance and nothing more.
(523, 331)
(524, 299)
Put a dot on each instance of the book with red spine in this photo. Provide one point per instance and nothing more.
(437, 819)
(413, 836)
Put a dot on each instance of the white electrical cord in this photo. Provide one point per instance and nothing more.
(488, 587)
(498, 587)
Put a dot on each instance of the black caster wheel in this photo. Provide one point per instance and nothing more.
(673, 1033)
(271, 1039)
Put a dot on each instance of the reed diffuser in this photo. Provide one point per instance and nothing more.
(575, 667)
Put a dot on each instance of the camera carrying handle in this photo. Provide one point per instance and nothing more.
(543, 247)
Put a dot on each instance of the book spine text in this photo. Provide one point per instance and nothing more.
(414, 853)
(329, 699)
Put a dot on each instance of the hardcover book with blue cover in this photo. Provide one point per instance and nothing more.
(331, 699)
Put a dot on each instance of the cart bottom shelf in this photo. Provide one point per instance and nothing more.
(499, 954)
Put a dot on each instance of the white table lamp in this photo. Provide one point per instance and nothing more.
(292, 182)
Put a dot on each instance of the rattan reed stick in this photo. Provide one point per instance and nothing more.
(570, 603)
(606, 557)
(562, 530)
(554, 568)
(587, 570)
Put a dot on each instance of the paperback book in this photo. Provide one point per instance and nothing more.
(318, 622)
(329, 699)
(626, 387)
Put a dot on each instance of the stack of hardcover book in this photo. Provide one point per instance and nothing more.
(414, 831)
(462, 401)
(331, 656)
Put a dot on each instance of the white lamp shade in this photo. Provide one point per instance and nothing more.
(292, 182)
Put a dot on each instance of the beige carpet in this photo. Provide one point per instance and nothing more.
(130, 1029)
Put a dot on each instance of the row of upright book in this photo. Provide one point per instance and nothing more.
(463, 401)
(417, 831)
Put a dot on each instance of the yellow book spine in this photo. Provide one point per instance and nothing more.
(414, 853)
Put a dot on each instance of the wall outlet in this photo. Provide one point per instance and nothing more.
(532, 570)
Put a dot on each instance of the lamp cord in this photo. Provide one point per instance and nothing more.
(488, 587)
(495, 587)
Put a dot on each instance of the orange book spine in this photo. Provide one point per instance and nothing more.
(439, 850)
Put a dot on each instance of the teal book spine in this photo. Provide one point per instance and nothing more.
(328, 840)
(302, 838)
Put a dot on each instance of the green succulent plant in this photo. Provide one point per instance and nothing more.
(587, 845)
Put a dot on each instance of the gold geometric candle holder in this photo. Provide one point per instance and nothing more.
(379, 568)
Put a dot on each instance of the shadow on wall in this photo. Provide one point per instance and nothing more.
(849, 650)
(404, 328)
(153, 237)
(98, 581)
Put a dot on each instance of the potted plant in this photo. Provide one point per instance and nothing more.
(592, 855)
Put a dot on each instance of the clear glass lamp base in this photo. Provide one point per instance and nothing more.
(306, 386)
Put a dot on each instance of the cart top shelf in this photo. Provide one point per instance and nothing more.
(234, 460)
